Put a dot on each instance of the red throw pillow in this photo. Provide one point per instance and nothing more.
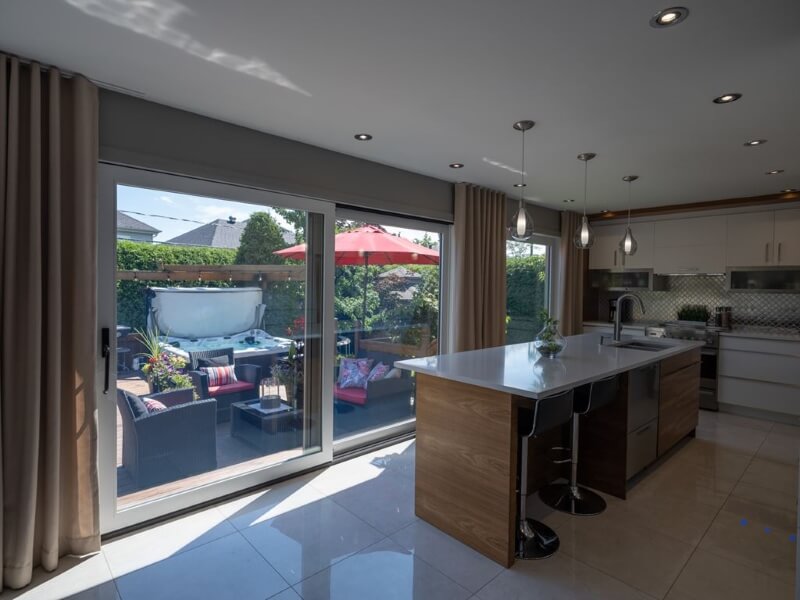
(353, 372)
(153, 406)
(220, 375)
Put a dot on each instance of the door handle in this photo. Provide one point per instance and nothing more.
(766, 252)
(105, 352)
(779, 251)
(615, 258)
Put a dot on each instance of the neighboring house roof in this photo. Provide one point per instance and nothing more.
(220, 233)
(401, 273)
(125, 222)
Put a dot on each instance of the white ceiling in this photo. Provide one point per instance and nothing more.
(441, 81)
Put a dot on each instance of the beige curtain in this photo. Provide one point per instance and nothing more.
(48, 431)
(479, 266)
(571, 276)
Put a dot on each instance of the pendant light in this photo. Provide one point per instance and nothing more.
(521, 226)
(627, 244)
(584, 236)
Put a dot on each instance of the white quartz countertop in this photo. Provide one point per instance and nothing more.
(519, 369)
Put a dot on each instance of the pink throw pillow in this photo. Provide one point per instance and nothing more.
(379, 371)
(154, 406)
(353, 372)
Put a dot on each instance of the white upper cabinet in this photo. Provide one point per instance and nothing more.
(787, 237)
(605, 253)
(751, 240)
(692, 245)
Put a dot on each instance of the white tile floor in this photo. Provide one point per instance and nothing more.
(716, 520)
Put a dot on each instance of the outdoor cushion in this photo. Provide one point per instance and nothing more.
(216, 361)
(138, 408)
(238, 386)
(353, 372)
(223, 375)
(154, 406)
(379, 371)
(351, 395)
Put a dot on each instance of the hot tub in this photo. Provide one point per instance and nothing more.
(202, 318)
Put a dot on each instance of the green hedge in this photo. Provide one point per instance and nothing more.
(526, 287)
(132, 256)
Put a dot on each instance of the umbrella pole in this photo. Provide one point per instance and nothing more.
(364, 301)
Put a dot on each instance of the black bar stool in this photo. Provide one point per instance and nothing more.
(570, 497)
(535, 539)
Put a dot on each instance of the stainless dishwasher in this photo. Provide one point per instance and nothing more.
(643, 396)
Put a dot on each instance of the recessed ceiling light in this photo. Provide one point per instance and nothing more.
(726, 98)
(569, 200)
(520, 185)
(774, 172)
(755, 142)
(669, 17)
(362, 137)
(456, 165)
(789, 191)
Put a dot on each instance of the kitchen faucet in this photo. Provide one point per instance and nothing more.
(618, 313)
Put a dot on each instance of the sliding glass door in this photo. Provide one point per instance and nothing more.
(218, 345)
(389, 293)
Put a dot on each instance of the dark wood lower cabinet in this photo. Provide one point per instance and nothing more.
(679, 404)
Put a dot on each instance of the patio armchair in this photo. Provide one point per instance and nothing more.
(246, 388)
(381, 402)
(171, 444)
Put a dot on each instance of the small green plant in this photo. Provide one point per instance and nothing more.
(549, 342)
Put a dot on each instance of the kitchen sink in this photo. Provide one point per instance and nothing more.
(635, 345)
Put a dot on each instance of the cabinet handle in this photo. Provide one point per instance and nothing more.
(615, 258)
(779, 251)
(766, 252)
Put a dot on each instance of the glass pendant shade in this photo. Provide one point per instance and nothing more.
(627, 244)
(584, 235)
(521, 227)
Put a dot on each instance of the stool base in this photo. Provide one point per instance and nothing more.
(575, 500)
(536, 541)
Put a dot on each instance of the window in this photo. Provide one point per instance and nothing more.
(529, 287)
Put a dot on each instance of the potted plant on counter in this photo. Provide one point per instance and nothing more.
(549, 342)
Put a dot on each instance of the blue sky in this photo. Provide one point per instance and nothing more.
(175, 214)
(163, 209)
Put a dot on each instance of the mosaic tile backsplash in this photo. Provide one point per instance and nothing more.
(749, 308)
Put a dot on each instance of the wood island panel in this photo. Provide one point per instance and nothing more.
(679, 406)
(466, 464)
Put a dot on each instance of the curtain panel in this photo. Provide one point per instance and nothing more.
(573, 262)
(479, 268)
(48, 427)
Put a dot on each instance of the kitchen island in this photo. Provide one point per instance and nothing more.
(467, 440)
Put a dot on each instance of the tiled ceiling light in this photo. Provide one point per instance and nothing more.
(627, 244)
(755, 142)
(456, 165)
(521, 226)
(669, 17)
(584, 236)
(363, 137)
(726, 98)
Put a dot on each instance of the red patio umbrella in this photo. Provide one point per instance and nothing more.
(371, 245)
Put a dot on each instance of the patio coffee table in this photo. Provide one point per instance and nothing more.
(269, 429)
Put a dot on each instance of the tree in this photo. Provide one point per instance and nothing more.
(297, 219)
(261, 237)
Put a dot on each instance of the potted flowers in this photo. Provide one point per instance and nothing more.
(163, 370)
(549, 342)
(288, 372)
